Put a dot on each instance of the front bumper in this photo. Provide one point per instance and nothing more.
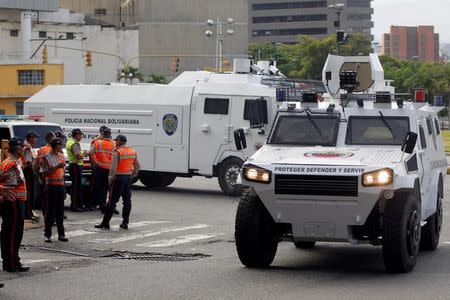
(317, 217)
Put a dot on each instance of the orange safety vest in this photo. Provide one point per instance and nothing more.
(103, 153)
(57, 177)
(127, 156)
(43, 151)
(21, 189)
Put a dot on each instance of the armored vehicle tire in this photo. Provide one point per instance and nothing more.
(305, 245)
(255, 234)
(227, 174)
(401, 232)
(156, 180)
(432, 230)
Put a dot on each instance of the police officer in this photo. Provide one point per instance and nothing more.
(6, 194)
(13, 211)
(37, 169)
(75, 156)
(124, 167)
(27, 163)
(53, 168)
(101, 156)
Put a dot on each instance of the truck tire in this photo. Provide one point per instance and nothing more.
(156, 180)
(228, 172)
(255, 234)
(305, 245)
(401, 232)
(432, 230)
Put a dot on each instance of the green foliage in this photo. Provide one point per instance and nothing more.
(130, 70)
(155, 78)
(409, 75)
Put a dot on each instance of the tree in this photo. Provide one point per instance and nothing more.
(155, 78)
(130, 70)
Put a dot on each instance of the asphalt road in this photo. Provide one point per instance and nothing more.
(184, 237)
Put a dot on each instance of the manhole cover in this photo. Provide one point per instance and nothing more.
(157, 256)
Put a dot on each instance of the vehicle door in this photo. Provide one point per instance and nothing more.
(210, 130)
(425, 153)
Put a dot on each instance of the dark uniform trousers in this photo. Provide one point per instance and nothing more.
(75, 172)
(101, 185)
(29, 180)
(12, 232)
(121, 187)
(55, 209)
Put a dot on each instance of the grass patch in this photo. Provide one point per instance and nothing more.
(446, 138)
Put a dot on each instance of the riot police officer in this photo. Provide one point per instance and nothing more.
(124, 167)
(13, 211)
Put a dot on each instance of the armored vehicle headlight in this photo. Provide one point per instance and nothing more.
(256, 174)
(380, 177)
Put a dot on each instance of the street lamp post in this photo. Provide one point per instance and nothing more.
(338, 8)
(219, 35)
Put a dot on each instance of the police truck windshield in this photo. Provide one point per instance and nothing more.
(305, 129)
(41, 130)
(376, 130)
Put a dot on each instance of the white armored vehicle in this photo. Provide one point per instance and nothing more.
(365, 169)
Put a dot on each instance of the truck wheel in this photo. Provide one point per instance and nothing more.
(155, 180)
(401, 232)
(255, 235)
(305, 245)
(432, 230)
(228, 174)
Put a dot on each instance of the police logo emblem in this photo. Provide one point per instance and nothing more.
(170, 124)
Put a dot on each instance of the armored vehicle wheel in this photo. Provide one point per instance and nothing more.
(432, 230)
(401, 232)
(228, 172)
(305, 245)
(156, 180)
(255, 234)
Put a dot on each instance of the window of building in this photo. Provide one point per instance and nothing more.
(297, 31)
(289, 5)
(282, 19)
(14, 32)
(358, 3)
(31, 77)
(359, 17)
(100, 11)
(216, 106)
(42, 34)
(70, 35)
(19, 108)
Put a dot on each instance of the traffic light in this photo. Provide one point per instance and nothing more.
(175, 64)
(88, 58)
(44, 55)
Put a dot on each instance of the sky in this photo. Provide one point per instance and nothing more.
(412, 13)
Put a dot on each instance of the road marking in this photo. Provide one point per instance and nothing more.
(83, 232)
(146, 234)
(89, 221)
(177, 241)
(34, 261)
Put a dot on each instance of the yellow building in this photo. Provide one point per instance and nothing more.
(21, 81)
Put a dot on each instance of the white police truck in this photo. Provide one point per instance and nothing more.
(366, 169)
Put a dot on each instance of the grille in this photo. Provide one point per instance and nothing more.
(316, 185)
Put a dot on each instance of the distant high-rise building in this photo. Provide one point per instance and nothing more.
(418, 43)
(101, 12)
(282, 21)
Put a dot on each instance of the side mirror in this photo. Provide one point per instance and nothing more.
(410, 142)
(239, 139)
